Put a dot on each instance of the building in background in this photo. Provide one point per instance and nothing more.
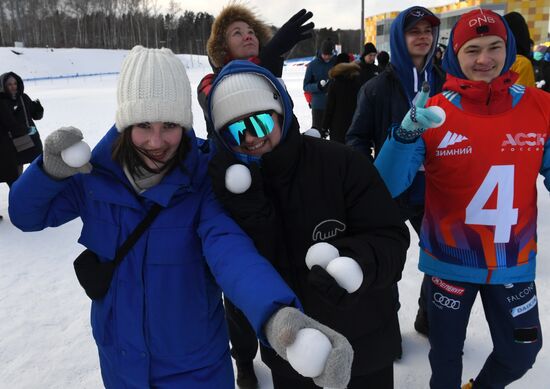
(535, 12)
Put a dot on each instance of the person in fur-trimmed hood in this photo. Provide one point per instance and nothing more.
(342, 97)
(239, 33)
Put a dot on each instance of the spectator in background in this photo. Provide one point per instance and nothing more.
(541, 66)
(316, 82)
(438, 56)
(342, 97)
(366, 62)
(19, 139)
(522, 65)
(383, 59)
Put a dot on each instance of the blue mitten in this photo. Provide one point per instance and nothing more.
(419, 118)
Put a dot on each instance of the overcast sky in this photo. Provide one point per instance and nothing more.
(344, 14)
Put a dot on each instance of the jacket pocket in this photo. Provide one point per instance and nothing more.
(175, 287)
(102, 238)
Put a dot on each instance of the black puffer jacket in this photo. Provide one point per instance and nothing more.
(323, 191)
(341, 100)
(381, 103)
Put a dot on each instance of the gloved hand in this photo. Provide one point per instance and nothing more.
(418, 119)
(54, 144)
(244, 204)
(326, 285)
(292, 32)
(281, 330)
(323, 85)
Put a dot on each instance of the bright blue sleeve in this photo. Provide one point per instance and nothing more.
(399, 162)
(545, 168)
(37, 201)
(246, 278)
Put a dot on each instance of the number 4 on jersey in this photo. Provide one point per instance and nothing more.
(504, 216)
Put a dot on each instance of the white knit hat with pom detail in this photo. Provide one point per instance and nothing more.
(240, 94)
(153, 87)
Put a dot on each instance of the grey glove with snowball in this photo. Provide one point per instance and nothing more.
(55, 143)
(281, 331)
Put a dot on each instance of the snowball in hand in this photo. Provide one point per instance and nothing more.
(309, 352)
(440, 113)
(346, 272)
(77, 155)
(321, 254)
(237, 178)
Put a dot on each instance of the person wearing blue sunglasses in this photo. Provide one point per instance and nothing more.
(309, 197)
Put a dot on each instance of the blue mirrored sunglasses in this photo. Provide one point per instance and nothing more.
(258, 125)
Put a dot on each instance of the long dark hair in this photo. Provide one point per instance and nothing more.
(127, 154)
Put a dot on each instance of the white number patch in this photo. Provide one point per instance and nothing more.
(505, 215)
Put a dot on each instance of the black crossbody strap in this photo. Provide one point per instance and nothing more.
(134, 236)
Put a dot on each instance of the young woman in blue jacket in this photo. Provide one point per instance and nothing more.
(161, 323)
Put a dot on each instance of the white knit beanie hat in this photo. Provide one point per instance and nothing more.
(153, 87)
(240, 94)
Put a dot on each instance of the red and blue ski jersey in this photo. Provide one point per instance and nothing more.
(481, 196)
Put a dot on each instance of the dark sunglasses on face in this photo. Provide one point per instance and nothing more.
(259, 125)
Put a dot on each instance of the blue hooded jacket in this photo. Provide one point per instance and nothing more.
(163, 313)
(411, 79)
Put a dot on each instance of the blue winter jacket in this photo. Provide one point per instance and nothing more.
(164, 304)
(316, 71)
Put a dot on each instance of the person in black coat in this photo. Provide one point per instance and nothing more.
(342, 97)
(17, 112)
(304, 192)
(383, 59)
(366, 62)
(384, 100)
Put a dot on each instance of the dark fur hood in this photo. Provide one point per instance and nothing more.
(345, 70)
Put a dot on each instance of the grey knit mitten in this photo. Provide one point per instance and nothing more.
(281, 330)
(56, 142)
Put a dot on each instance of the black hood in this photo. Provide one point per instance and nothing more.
(519, 28)
(20, 85)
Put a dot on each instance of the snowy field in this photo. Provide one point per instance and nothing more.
(45, 336)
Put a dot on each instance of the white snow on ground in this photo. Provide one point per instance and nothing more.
(45, 336)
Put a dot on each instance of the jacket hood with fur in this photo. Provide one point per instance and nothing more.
(216, 47)
(345, 70)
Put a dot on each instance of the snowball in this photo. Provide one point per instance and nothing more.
(313, 132)
(309, 352)
(321, 254)
(347, 273)
(77, 155)
(439, 112)
(237, 178)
